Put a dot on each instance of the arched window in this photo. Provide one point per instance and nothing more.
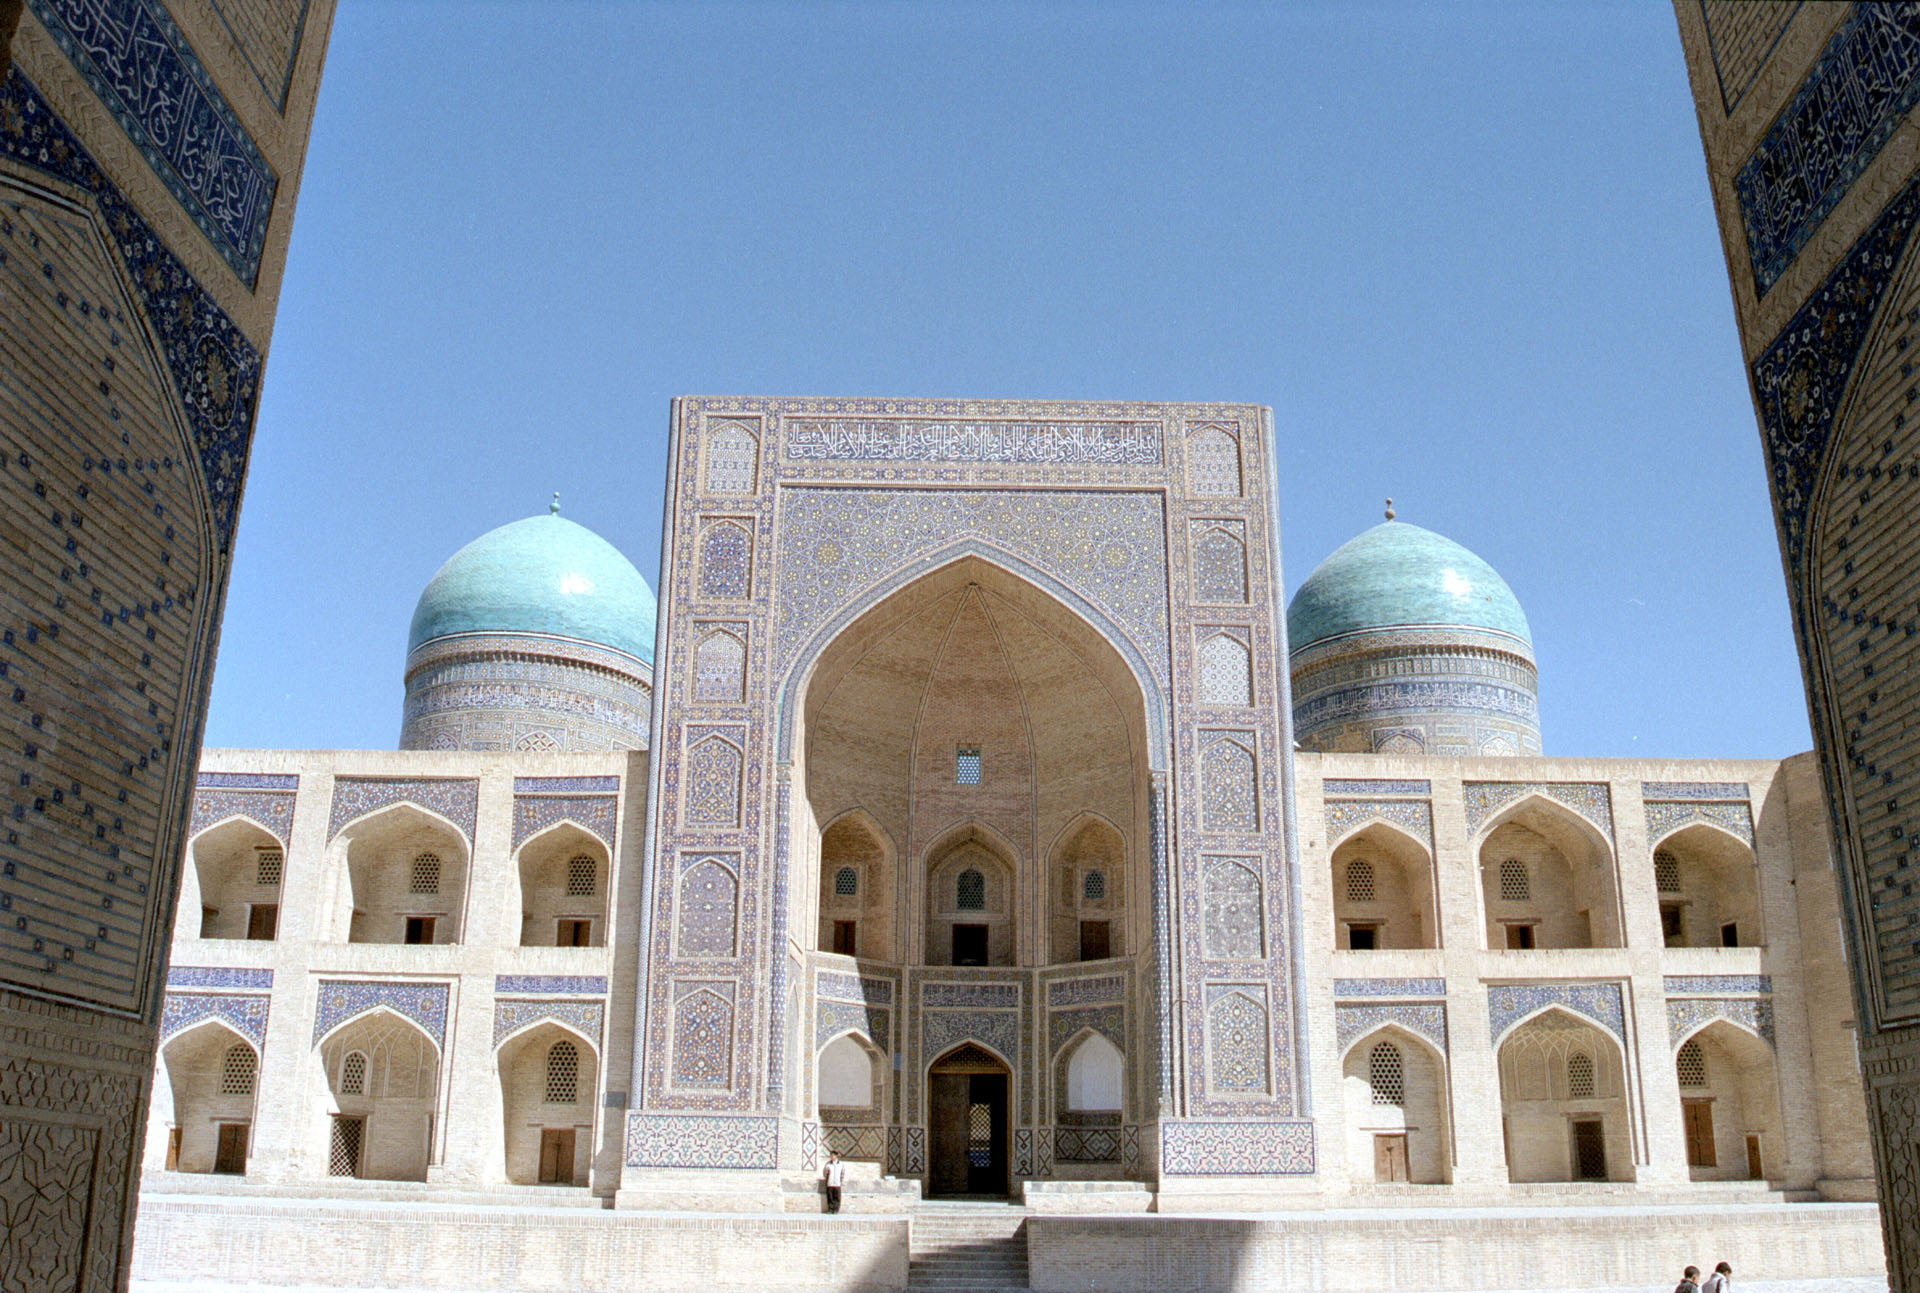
(970, 891)
(581, 876)
(846, 882)
(1094, 887)
(563, 1073)
(353, 1074)
(1387, 1074)
(425, 877)
(1692, 1065)
(1666, 871)
(1580, 1076)
(237, 1071)
(1360, 881)
(1514, 886)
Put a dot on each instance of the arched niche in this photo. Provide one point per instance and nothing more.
(376, 1099)
(230, 885)
(857, 874)
(1383, 891)
(1089, 1103)
(565, 876)
(210, 1075)
(1709, 889)
(1563, 1101)
(1729, 1104)
(970, 902)
(1394, 1093)
(968, 694)
(1087, 891)
(399, 876)
(1547, 880)
(549, 1078)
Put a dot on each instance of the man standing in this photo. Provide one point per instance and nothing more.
(1688, 1281)
(836, 1173)
(1721, 1281)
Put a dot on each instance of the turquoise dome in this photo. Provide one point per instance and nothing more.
(542, 575)
(1398, 575)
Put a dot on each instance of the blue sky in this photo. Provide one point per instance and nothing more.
(1466, 252)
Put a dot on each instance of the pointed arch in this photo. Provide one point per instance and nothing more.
(568, 1026)
(370, 1012)
(1573, 877)
(1407, 1135)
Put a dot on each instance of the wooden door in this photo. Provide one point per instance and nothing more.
(1589, 1150)
(230, 1155)
(1699, 1121)
(1753, 1156)
(947, 1132)
(556, 1156)
(263, 919)
(1390, 1157)
(987, 1133)
(173, 1149)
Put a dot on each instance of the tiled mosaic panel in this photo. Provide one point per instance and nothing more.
(1213, 459)
(1508, 1003)
(1345, 816)
(272, 812)
(342, 999)
(1086, 1144)
(967, 996)
(701, 1140)
(1220, 561)
(1236, 1148)
(1237, 1049)
(483, 692)
(1680, 790)
(733, 458)
(1486, 799)
(267, 34)
(1741, 36)
(709, 907)
(1063, 1025)
(720, 665)
(726, 560)
(857, 1142)
(831, 1018)
(703, 1036)
(1864, 84)
(104, 626)
(1686, 1016)
(1234, 905)
(1078, 992)
(1368, 786)
(140, 65)
(1389, 987)
(532, 814)
(1426, 1019)
(585, 1017)
(1229, 780)
(854, 987)
(565, 785)
(456, 799)
(217, 976)
(711, 796)
(1718, 984)
(1663, 819)
(1226, 670)
(945, 440)
(246, 1014)
(942, 1030)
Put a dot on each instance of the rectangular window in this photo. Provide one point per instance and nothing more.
(1519, 937)
(230, 1153)
(845, 939)
(1672, 928)
(1730, 934)
(1363, 938)
(263, 920)
(419, 929)
(1094, 944)
(575, 931)
(969, 944)
(966, 765)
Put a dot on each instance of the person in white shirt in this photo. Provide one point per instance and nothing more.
(835, 1173)
(1721, 1281)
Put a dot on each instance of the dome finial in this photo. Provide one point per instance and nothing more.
(1389, 507)
(553, 508)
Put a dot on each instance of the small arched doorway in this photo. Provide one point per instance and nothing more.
(968, 1091)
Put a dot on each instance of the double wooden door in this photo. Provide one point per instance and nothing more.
(968, 1134)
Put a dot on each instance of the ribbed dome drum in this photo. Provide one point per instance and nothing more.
(538, 635)
(1405, 642)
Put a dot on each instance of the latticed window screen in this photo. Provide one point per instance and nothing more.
(426, 875)
(1387, 1074)
(344, 1158)
(970, 891)
(1580, 1076)
(563, 1073)
(846, 882)
(1224, 672)
(1360, 881)
(353, 1074)
(1094, 887)
(1513, 881)
(980, 1135)
(581, 876)
(966, 765)
(1692, 1065)
(237, 1070)
(1666, 872)
(268, 864)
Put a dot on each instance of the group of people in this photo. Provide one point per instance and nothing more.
(1721, 1281)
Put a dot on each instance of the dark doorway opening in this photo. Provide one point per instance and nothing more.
(969, 944)
(968, 1099)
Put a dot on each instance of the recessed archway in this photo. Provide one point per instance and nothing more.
(230, 885)
(1729, 1104)
(1547, 880)
(204, 1099)
(549, 1075)
(1708, 883)
(1382, 891)
(1394, 1092)
(398, 876)
(564, 875)
(376, 1099)
(969, 1091)
(1563, 1101)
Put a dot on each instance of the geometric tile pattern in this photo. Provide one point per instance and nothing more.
(217, 976)
(712, 793)
(709, 896)
(247, 1014)
(584, 1017)
(342, 999)
(701, 1140)
(578, 985)
(703, 1035)
(596, 814)
(1233, 905)
(831, 1018)
(1079, 992)
(1346, 988)
(454, 798)
(1236, 1148)
(1590, 799)
(1663, 819)
(1718, 985)
(1108, 1021)
(273, 812)
(140, 65)
(1427, 1018)
(1228, 776)
(1351, 786)
(1688, 1014)
(565, 785)
(1678, 790)
(1236, 1042)
(1344, 816)
(1508, 1003)
(853, 987)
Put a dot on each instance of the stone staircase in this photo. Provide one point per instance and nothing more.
(960, 1248)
